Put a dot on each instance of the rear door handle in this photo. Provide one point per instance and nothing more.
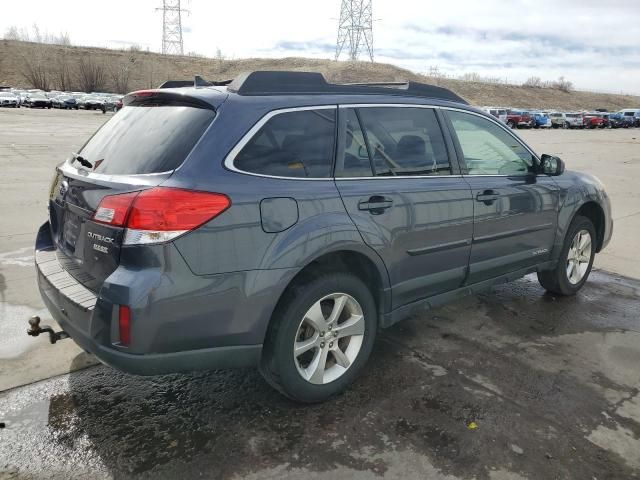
(487, 197)
(376, 204)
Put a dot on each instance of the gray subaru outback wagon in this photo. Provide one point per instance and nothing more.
(280, 221)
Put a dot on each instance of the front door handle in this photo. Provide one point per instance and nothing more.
(487, 197)
(375, 204)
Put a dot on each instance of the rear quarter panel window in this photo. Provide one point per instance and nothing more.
(297, 144)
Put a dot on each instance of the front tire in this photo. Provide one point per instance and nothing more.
(320, 337)
(576, 260)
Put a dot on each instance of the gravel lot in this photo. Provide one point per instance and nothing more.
(552, 386)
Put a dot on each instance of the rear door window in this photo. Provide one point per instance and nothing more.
(146, 139)
(292, 144)
(404, 141)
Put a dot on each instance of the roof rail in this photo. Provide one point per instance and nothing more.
(298, 83)
(197, 81)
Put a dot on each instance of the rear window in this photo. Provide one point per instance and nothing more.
(140, 140)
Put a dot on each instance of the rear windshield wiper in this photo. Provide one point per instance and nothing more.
(82, 161)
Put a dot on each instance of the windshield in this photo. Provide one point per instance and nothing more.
(146, 139)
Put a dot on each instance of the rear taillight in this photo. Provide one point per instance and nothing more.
(159, 214)
(113, 209)
(124, 325)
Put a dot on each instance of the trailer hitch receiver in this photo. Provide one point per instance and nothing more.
(35, 329)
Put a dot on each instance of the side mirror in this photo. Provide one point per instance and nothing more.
(362, 152)
(551, 165)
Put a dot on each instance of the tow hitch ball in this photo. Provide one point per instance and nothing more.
(35, 329)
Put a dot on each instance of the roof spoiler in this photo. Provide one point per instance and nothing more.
(297, 83)
(197, 81)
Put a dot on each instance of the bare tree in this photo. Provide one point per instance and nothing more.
(37, 35)
(120, 73)
(62, 71)
(35, 67)
(12, 33)
(533, 82)
(91, 74)
(471, 77)
(563, 85)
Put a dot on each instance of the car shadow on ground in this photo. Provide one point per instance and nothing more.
(482, 385)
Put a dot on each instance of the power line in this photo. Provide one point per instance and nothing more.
(172, 27)
(355, 29)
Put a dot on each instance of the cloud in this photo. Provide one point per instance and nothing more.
(594, 43)
(304, 46)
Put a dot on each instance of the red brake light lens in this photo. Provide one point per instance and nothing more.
(124, 324)
(171, 209)
(159, 210)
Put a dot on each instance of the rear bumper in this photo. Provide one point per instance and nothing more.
(90, 319)
(69, 315)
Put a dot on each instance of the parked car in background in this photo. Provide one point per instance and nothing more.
(557, 119)
(9, 99)
(631, 117)
(519, 119)
(37, 100)
(499, 113)
(111, 104)
(541, 120)
(177, 242)
(615, 120)
(574, 120)
(23, 98)
(67, 102)
(91, 102)
(594, 120)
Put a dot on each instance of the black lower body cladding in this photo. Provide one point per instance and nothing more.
(179, 321)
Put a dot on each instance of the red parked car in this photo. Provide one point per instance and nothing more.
(594, 120)
(518, 118)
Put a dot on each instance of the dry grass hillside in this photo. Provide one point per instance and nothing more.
(130, 70)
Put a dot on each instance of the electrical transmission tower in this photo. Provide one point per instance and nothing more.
(355, 30)
(172, 27)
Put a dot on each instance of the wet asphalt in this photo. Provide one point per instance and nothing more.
(515, 383)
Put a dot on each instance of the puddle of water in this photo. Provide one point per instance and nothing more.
(23, 257)
(620, 441)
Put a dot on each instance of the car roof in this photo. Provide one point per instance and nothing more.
(290, 89)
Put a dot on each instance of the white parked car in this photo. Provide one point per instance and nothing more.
(9, 99)
(498, 112)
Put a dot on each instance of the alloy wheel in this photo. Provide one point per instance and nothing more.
(579, 257)
(329, 338)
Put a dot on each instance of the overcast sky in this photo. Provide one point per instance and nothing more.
(594, 44)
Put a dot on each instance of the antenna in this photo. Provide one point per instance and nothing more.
(355, 29)
(172, 27)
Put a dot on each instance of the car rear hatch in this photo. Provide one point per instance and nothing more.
(137, 149)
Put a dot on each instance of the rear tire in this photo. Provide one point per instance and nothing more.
(307, 315)
(575, 262)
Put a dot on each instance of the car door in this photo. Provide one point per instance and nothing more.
(400, 184)
(515, 210)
